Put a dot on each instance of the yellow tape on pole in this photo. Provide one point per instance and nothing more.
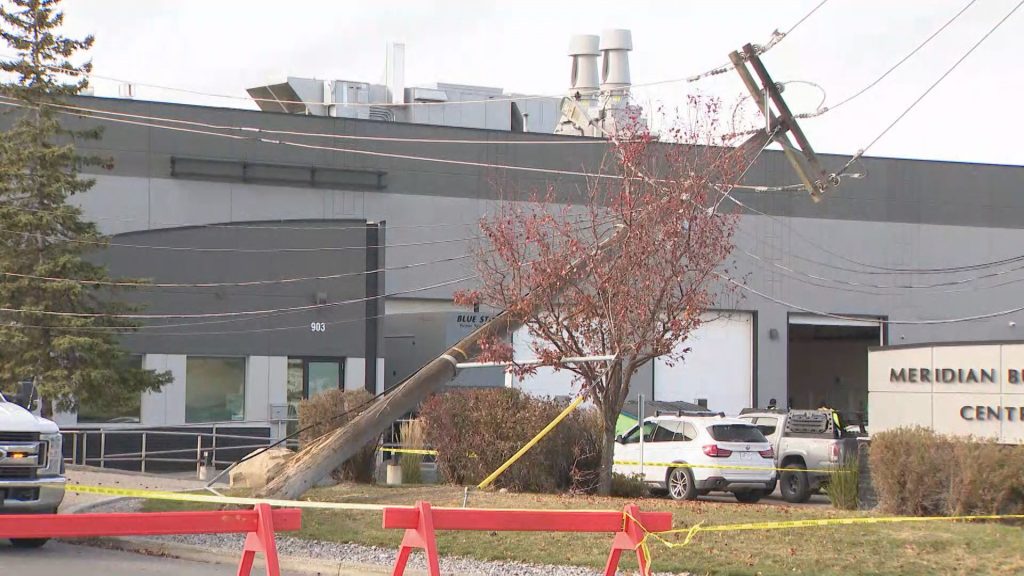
(494, 475)
(410, 451)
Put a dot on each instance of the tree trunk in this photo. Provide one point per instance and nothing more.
(610, 408)
(604, 476)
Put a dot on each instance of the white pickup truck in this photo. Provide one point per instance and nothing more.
(31, 465)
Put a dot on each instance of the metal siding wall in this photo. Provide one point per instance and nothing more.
(905, 213)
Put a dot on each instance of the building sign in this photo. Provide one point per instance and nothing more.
(973, 389)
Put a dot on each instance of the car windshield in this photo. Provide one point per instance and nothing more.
(736, 433)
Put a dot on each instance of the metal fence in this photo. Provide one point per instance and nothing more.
(162, 450)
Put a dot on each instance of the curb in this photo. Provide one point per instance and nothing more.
(193, 553)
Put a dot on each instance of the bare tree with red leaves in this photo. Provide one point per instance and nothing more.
(629, 271)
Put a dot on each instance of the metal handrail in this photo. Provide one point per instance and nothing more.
(202, 453)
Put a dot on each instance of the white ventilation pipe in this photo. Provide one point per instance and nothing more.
(615, 47)
(584, 50)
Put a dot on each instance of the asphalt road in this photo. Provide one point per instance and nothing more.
(60, 559)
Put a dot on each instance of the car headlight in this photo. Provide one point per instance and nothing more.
(54, 454)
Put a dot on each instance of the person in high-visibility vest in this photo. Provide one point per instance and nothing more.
(835, 419)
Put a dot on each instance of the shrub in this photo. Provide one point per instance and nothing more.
(918, 472)
(330, 410)
(475, 431)
(842, 487)
(631, 486)
(412, 437)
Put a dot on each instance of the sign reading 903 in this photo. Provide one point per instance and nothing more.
(318, 327)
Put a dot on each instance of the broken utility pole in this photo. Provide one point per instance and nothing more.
(806, 165)
(330, 451)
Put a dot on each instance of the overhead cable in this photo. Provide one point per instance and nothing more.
(917, 101)
(98, 114)
(823, 109)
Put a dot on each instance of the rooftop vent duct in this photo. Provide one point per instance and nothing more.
(584, 50)
(615, 47)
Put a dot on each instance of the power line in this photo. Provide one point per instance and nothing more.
(913, 104)
(243, 225)
(97, 114)
(792, 306)
(874, 269)
(242, 250)
(776, 38)
(823, 109)
(224, 314)
(244, 283)
(799, 276)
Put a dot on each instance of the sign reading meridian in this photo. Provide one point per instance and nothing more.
(966, 376)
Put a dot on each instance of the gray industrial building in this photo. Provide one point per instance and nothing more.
(316, 243)
(199, 208)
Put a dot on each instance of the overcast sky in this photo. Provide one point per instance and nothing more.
(224, 46)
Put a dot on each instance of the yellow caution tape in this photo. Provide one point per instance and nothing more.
(409, 451)
(692, 531)
(722, 467)
(214, 499)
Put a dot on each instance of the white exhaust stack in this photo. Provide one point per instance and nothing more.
(584, 51)
(615, 46)
(394, 72)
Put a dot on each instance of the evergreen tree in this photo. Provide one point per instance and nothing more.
(68, 357)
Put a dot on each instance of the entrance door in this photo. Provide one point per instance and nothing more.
(308, 377)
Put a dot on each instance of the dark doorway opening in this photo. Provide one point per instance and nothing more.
(828, 366)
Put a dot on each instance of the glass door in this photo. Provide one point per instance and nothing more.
(308, 377)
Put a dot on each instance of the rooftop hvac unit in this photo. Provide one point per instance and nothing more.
(382, 114)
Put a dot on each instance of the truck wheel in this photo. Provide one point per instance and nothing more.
(680, 484)
(749, 496)
(28, 542)
(794, 484)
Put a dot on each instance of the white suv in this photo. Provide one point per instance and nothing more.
(697, 440)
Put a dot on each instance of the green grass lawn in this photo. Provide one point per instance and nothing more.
(906, 549)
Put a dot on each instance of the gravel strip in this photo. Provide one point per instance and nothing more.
(358, 553)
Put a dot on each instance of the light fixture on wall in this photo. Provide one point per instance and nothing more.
(773, 334)
(320, 298)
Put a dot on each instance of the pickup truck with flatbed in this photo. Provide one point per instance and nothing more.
(31, 465)
(807, 444)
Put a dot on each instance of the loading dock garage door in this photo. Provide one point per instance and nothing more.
(719, 368)
(828, 362)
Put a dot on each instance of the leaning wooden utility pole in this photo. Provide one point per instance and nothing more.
(814, 178)
(330, 451)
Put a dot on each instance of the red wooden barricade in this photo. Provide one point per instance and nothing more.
(259, 524)
(421, 521)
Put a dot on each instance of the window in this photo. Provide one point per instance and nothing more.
(127, 409)
(689, 433)
(633, 437)
(662, 434)
(767, 426)
(214, 389)
(736, 433)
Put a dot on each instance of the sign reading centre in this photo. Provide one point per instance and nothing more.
(961, 389)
